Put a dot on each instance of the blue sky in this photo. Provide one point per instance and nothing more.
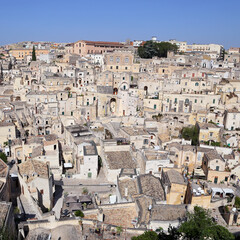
(194, 21)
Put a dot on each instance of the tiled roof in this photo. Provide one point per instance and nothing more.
(151, 186)
(120, 159)
(175, 177)
(167, 212)
(33, 168)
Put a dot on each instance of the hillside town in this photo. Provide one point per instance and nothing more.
(97, 142)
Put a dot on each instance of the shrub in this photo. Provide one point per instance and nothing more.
(79, 213)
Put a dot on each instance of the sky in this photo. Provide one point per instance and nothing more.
(194, 21)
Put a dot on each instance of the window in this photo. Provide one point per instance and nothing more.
(145, 141)
(217, 168)
(54, 146)
(9, 129)
(117, 59)
(213, 101)
(195, 101)
(126, 60)
(41, 191)
(226, 179)
(211, 134)
(116, 67)
(155, 106)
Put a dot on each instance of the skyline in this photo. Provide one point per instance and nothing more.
(205, 22)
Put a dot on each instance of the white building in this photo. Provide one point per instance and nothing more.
(182, 46)
(232, 119)
(89, 166)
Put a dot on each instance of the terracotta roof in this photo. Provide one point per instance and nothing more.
(103, 43)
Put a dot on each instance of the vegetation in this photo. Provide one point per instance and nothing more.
(212, 143)
(3, 157)
(198, 226)
(79, 213)
(119, 229)
(191, 133)
(16, 210)
(34, 58)
(153, 49)
(212, 122)
(6, 234)
(85, 191)
(237, 202)
(148, 235)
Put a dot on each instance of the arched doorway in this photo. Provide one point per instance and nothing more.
(113, 105)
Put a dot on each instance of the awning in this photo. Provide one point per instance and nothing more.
(67, 165)
(216, 190)
(227, 191)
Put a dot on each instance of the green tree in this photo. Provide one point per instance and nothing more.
(200, 226)
(151, 49)
(191, 133)
(148, 235)
(237, 202)
(34, 58)
(3, 157)
(172, 234)
(79, 213)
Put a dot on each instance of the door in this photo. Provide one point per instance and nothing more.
(216, 180)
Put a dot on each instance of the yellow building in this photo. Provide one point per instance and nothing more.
(196, 195)
(175, 187)
(208, 132)
(214, 167)
(19, 54)
(119, 61)
(7, 132)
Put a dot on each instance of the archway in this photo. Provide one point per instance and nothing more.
(113, 105)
